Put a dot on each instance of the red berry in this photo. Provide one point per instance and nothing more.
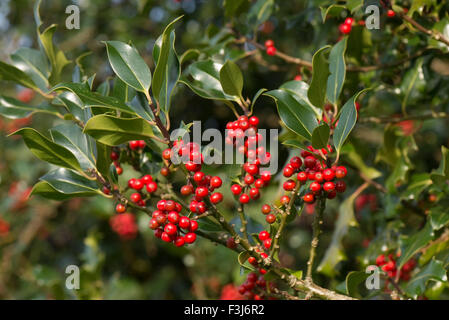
(289, 185)
(244, 198)
(170, 229)
(345, 28)
(119, 170)
(310, 162)
(215, 182)
(309, 198)
(391, 13)
(252, 169)
(230, 243)
(134, 145)
(340, 186)
(166, 237)
(216, 197)
(151, 187)
(340, 172)
(349, 21)
(138, 184)
(173, 217)
(319, 177)
(288, 171)
(153, 224)
(285, 200)
(315, 187)
(201, 192)
(190, 237)
(254, 193)
(266, 209)
(271, 51)
(380, 260)
(146, 179)
(332, 194)
(298, 77)
(184, 222)
(329, 186)
(296, 162)
(136, 197)
(302, 177)
(131, 183)
(269, 43)
(114, 156)
(161, 205)
(267, 243)
(120, 208)
(193, 225)
(328, 174)
(165, 171)
(270, 218)
(166, 154)
(263, 235)
(259, 183)
(236, 189)
(198, 176)
(179, 241)
(265, 176)
(254, 121)
(249, 179)
(252, 261)
(186, 190)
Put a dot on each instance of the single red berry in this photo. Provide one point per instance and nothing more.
(289, 185)
(310, 162)
(173, 217)
(288, 171)
(138, 184)
(329, 186)
(161, 205)
(236, 189)
(254, 121)
(215, 182)
(328, 174)
(165, 171)
(136, 197)
(249, 179)
(146, 179)
(269, 43)
(114, 156)
(134, 145)
(216, 197)
(270, 218)
(119, 170)
(142, 144)
(319, 177)
(153, 224)
(315, 187)
(340, 186)
(170, 229)
(345, 28)
(259, 183)
(244, 198)
(120, 208)
(391, 13)
(166, 154)
(131, 183)
(201, 192)
(254, 193)
(252, 261)
(340, 172)
(186, 190)
(190, 237)
(230, 243)
(298, 77)
(179, 241)
(263, 235)
(349, 21)
(193, 225)
(302, 177)
(184, 222)
(166, 237)
(309, 198)
(198, 177)
(265, 176)
(169, 205)
(296, 162)
(285, 200)
(332, 194)
(252, 169)
(266, 209)
(267, 243)
(151, 187)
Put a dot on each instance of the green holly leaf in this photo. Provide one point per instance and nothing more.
(34, 64)
(231, 79)
(320, 136)
(14, 109)
(433, 271)
(320, 69)
(337, 69)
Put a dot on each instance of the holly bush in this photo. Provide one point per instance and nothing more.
(345, 197)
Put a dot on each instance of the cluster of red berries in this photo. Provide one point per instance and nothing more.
(270, 48)
(321, 177)
(254, 286)
(170, 226)
(125, 225)
(138, 185)
(137, 144)
(346, 26)
(243, 134)
(115, 156)
(388, 264)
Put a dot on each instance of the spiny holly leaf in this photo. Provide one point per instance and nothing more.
(168, 69)
(320, 69)
(337, 68)
(47, 150)
(231, 79)
(320, 136)
(128, 65)
(113, 131)
(296, 117)
(346, 121)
